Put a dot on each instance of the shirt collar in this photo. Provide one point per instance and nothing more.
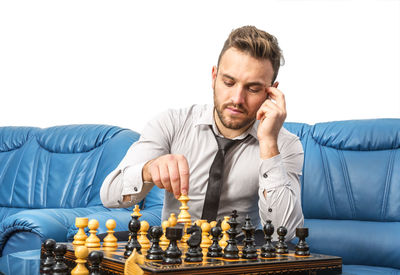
(207, 118)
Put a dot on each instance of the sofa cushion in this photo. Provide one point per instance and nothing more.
(357, 242)
(369, 270)
(61, 166)
(352, 171)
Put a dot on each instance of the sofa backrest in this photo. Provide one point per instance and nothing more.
(351, 188)
(58, 167)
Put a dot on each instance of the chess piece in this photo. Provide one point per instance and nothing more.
(184, 218)
(80, 237)
(95, 257)
(48, 260)
(194, 254)
(205, 231)
(215, 250)
(281, 246)
(81, 253)
(173, 255)
(60, 267)
(249, 250)
(268, 250)
(143, 240)
(302, 248)
(136, 211)
(163, 240)
(93, 241)
(225, 227)
(212, 224)
(231, 251)
(132, 264)
(172, 219)
(133, 226)
(155, 252)
(110, 242)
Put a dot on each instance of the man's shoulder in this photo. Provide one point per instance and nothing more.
(287, 139)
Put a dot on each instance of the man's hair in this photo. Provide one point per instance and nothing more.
(257, 43)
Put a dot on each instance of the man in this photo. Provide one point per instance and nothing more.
(176, 150)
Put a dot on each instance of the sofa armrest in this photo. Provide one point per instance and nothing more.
(42, 223)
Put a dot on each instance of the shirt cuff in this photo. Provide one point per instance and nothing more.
(132, 179)
(272, 173)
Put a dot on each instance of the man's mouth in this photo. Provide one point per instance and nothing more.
(234, 110)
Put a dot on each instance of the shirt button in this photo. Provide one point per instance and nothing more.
(265, 175)
(269, 209)
(135, 188)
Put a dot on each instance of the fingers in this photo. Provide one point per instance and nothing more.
(277, 95)
(171, 172)
(271, 110)
(183, 167)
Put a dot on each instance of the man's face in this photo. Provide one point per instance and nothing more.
(240, 88)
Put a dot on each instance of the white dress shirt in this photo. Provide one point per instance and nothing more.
(246, 176)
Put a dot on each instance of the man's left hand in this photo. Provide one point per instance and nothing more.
(271, 114)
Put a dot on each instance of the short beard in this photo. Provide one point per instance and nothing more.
(230, 124)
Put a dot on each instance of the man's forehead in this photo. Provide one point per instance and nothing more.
(242, 66)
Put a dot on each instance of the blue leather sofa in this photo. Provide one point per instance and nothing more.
(50, 176)
(351, 192)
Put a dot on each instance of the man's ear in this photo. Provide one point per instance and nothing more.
(214, 75)
(276, 84)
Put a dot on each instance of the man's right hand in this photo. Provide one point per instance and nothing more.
(169, 172)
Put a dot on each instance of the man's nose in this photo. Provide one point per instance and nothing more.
(238, 95)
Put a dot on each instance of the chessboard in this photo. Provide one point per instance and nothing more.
(114, 262)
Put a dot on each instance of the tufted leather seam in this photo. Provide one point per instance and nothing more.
(387, 184)
(46, 180)
(6, 168)
(33, 179)
(328, 181)
(70, 179)
(347, 183)
(304, 162)
(97, 169)
(16, 172)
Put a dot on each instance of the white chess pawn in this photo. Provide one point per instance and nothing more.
(110, 242)
(93, 241)
(143, 240)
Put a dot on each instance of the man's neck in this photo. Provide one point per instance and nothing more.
(227, 132)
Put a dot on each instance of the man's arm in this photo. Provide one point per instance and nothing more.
(146, 163)
(279, 192)
(280, 168)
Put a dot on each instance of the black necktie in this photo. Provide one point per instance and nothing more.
(211, 202)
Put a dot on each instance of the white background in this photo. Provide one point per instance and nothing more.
(122, 62)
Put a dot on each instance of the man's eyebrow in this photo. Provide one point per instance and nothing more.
(253, 83)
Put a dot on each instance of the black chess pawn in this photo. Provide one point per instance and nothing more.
(249, 250)
(134, 227)
(302, 248)
(194, 254)
(215, 250)
(95, 257)
(281, 246)
(172, 254)
(48, 261)
(60, 267)
(155, 252)
(231, 250)
(268, 250)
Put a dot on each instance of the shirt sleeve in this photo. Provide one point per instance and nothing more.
(126, 179)
(279, 178)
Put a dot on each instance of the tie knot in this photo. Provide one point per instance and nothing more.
(225, 144)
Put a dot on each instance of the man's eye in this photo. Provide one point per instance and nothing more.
(254, 90)
(229, 84)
